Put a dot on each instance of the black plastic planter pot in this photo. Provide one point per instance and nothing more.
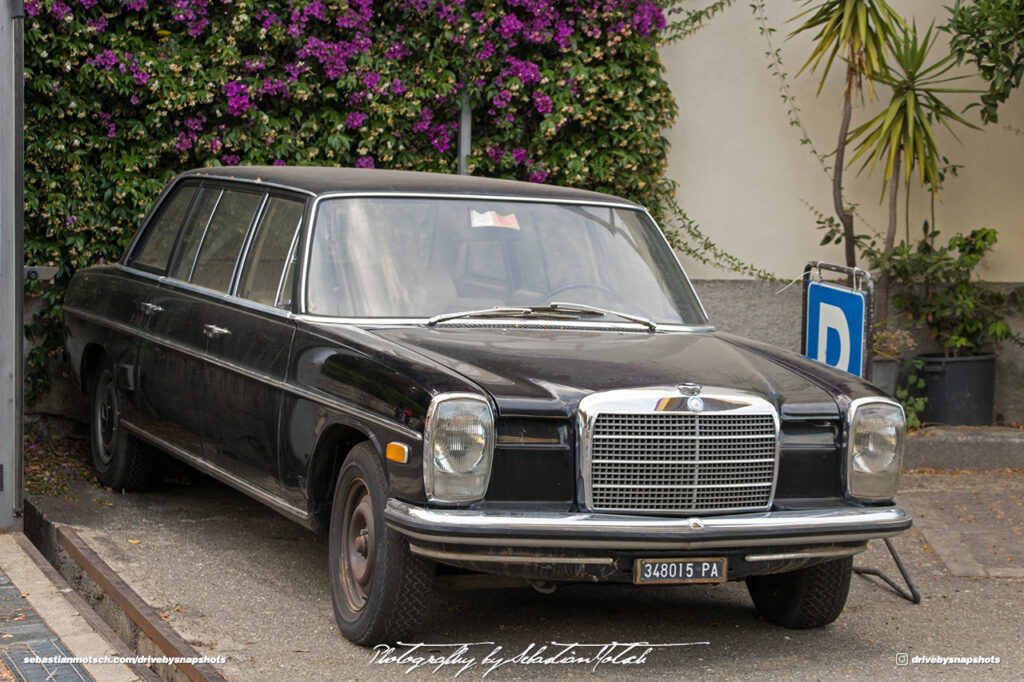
(885, 373)
(960, 390)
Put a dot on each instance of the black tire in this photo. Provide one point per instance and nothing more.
(808, 598)
(382, 592)
(121, 460)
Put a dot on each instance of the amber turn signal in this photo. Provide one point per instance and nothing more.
(398, 452)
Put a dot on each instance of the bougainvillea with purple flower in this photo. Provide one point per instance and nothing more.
(569, 92)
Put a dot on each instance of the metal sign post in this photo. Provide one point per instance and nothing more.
(12, 258)
(849, 312)
(838, 321)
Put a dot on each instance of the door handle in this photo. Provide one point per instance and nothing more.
(150, 308)
(213, 331)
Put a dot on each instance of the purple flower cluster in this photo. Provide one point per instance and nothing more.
(358, 15)
(125, 63)
(364, 162)
(61, 11)
(267, 19)
(105, 60)
(371, 79)
(237, 93)
(32, 8)
(100, 24)
(542, 102)
(192, 13)
(501, 100)
(487, 51)
(230, 159)
(187, 137)
(274, 87)
(355, 119)
(441, 135)
(525, 71)
(398, 51)
(426, 116)
(334, 57)
(294, 71)
(136, 5)
(648, 18)
(509, 27)
(107, 121)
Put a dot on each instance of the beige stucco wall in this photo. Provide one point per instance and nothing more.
(743, 174)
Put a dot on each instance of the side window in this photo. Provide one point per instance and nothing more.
(193, 232)
(268, 270)
(154, 249)
(222, 242)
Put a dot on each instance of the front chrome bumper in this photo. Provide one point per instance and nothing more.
(814, 527)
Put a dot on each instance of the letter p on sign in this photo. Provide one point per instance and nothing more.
(835, 326)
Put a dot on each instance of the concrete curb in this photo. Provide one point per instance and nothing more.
(970, 448)
(68, 621)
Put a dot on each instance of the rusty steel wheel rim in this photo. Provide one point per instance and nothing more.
(105, 420)
(357, 546)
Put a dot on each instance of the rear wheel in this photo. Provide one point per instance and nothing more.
(381, 591)
(121, 461)
(807, 598)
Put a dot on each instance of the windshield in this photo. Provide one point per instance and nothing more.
(423, 257)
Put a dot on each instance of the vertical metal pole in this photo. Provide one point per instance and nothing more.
(465, 134)
(12, 259)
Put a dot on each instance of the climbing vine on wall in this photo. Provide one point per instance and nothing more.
(120, 95)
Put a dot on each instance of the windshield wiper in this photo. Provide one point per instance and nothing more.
(554, 309)
(584, 308)
(496, 311)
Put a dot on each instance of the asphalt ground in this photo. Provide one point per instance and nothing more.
(239, 581)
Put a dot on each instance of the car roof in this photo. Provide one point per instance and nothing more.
(320, 180)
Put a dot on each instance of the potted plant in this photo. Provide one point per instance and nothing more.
(889, 347)
(935, 287)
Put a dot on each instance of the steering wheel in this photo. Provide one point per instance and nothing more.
(546, 298)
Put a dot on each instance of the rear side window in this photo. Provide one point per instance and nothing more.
(156, 244)
(223, 240)
(193, 232)
(268, 273)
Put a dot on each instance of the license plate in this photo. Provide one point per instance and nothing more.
(646, 571)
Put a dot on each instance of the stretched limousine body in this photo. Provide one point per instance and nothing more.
(454, 374)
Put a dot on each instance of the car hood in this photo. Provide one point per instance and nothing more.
(533, 371)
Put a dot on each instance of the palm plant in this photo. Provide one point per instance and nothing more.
(857, 31)
(903, 132)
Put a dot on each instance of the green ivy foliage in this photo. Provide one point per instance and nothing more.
(990, 33)
(121, 95)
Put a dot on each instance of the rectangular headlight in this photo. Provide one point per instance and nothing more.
(458, 448)
(876, 433)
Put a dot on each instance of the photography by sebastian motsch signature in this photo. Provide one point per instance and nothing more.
(487, 657)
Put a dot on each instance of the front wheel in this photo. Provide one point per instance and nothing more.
(808, 598)
(381, 591)
(121, 461)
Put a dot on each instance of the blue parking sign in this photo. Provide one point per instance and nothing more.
(835, 326)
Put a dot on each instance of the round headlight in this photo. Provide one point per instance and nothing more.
(875, 450)
(459, 448)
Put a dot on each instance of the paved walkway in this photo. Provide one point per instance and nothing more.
(37, 619)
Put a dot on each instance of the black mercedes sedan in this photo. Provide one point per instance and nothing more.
(456, 376)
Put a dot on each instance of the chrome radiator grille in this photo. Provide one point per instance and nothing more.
(682, 463)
